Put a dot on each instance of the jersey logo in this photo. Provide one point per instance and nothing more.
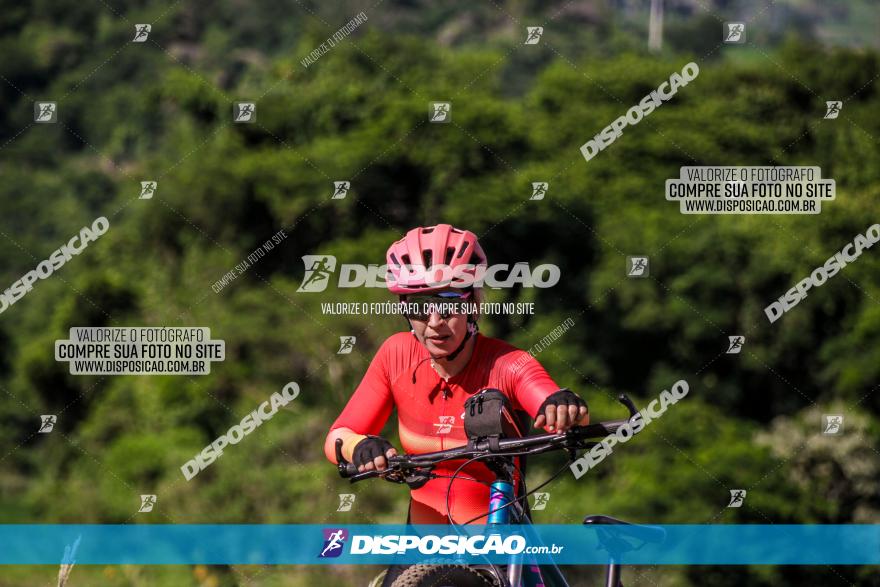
(445, 424)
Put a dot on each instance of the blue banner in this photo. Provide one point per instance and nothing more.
(386, 544)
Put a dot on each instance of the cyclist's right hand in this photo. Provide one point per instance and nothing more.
(371, 452)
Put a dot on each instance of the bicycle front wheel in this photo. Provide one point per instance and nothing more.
(443, 576)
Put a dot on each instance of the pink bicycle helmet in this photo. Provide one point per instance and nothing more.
(411, 259)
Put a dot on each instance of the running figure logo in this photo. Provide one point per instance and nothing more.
(735, 344)
(147, 503)
(737, 497)
(346, 501)
(47, 423)
(319, 268)
(148, 188)
(445, 424)
(736, 32)
(346, 345)
(333, 543)
(539, 190)
(45, 112)
(541, 500)
(141, 32)
(637, 266)
(833, 109)
(440, 112)
(244, 112)
(533, 34)
(832, 424)
(340, 189)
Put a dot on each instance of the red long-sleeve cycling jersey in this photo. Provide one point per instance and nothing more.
(430, 412)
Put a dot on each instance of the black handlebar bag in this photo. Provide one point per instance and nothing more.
(488, 414)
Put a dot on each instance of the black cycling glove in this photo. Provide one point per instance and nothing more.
(368, 449)
(563, 397)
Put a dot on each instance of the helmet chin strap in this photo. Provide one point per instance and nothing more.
(471, 331)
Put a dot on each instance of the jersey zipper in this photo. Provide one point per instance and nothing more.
(444, 389)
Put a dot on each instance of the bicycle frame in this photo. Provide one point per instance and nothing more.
(500, 493)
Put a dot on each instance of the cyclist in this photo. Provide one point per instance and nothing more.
(429, 372)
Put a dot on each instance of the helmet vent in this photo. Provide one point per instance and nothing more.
(428, 230)
(450, 251)
(394, 260)
(429, 256)
(464, 247)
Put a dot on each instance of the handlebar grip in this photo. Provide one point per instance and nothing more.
(347, 470)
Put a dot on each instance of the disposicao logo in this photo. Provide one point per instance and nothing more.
(320, 268)
(76, 245)
(334, 539)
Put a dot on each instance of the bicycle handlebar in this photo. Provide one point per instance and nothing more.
(571, 440)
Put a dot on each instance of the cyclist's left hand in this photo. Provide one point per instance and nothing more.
(561, 411)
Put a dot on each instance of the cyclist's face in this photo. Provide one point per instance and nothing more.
(439, 335)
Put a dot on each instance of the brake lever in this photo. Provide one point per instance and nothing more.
(415, 477)
(361, 476)
(389, 474)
